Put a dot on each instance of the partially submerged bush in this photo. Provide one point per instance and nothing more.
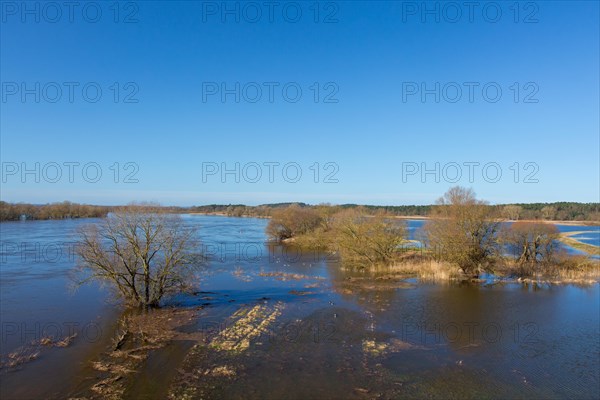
(367, 240)
(293, 221)
(463, 230)
(355, 236)
(533, 245)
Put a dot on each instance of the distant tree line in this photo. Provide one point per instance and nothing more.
(562, 211)
(66, 209)
(237, 210)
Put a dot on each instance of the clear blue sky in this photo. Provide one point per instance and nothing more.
(372, 55)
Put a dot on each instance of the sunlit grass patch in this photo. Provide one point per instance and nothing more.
(250, 323)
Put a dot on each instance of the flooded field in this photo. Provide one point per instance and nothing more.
(270, 323)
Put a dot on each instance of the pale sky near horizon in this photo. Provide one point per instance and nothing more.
(191, 102)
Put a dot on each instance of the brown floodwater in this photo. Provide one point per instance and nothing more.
(277, 323)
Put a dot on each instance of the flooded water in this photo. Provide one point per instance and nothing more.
(588, 235)
(317, 331)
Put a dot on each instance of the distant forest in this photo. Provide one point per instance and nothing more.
(562, 211)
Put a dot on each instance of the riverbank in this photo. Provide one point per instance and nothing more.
(568, 239)
(561, 222)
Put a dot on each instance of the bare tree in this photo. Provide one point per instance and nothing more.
(142, 253)
(549, 212)
(463, 231)
(512, 212)
(532, 243)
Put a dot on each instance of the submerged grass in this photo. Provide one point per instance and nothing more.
(32, 351)
(249, 324)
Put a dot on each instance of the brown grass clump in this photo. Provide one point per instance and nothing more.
(427, 270)
(574, 269)
(49, 341)
(223, 370)
(33, 350)
(564, 268)
(20, 356)
(416, 265)
(240, 274)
